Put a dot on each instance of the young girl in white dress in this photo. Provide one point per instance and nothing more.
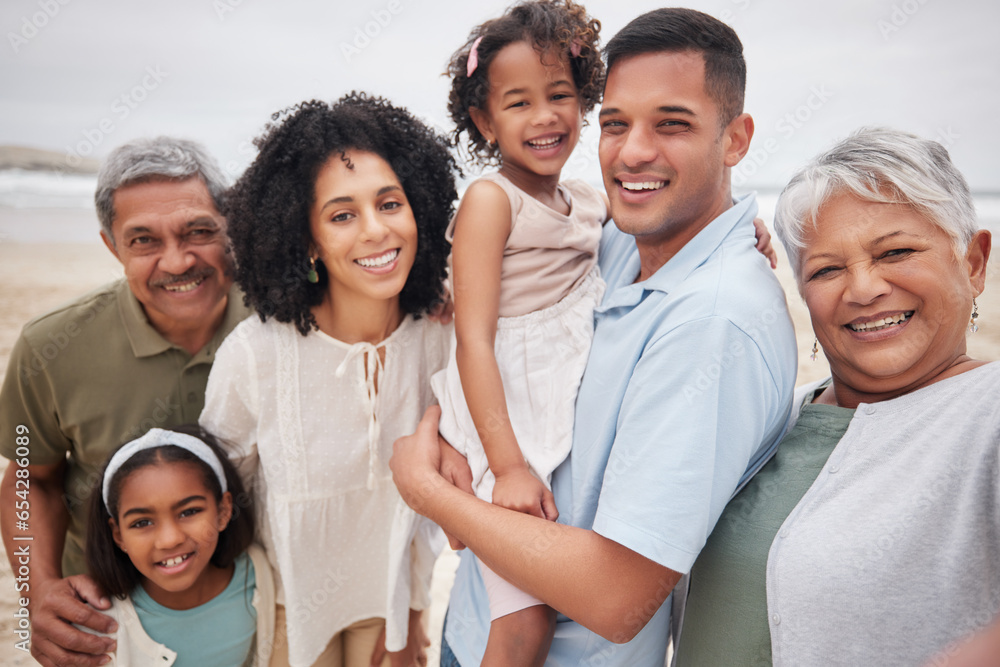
(338, 227)
(524, 274)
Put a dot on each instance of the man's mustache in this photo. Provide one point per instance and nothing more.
(186, 277)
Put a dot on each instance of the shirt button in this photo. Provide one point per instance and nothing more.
(776, 619)
(192, 397)
(784, 533)
(870, 410)
(833, 469)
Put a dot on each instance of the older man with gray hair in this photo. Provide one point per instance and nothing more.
(109, 366)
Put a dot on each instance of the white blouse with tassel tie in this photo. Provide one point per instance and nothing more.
(313, 420)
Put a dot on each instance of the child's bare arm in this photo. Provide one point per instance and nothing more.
(481, 230)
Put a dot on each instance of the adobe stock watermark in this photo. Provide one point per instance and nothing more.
(787, 126)
(727, 15)
(972, 622)
(301, 610)
(42, 354)
(246, 150)
(31, 25)
(899, 16)
(363, 35)
(223, 7)
(160, 412)
(946, 136)
(713, 372)
(121, 108)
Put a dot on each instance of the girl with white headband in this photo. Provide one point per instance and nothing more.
(169, 539)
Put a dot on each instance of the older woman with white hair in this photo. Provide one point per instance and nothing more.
(873, 535)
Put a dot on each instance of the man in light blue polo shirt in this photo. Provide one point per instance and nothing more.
(689, 380)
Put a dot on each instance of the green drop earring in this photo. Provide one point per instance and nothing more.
(311, 275)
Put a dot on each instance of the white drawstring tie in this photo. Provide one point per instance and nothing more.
(373, 371)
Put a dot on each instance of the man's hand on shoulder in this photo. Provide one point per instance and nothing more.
(58, 604)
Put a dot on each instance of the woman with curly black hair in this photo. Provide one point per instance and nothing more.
(338, 230)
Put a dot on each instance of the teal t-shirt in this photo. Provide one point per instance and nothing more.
(725, 622)
(218, 633)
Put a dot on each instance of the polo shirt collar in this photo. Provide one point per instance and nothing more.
(689, 258)
(236, 312)
(146, 341)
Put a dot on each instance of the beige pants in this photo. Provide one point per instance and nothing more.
(351, 647)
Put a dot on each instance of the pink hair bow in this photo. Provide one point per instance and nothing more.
(473, 62)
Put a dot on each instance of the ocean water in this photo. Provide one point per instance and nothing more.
(987, 209)
(43, 207)
(39, 189)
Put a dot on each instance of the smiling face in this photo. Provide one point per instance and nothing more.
(664, 155)
(171, 241)
(532, 111)
(363, 229)
(889, 299)
(168, 523)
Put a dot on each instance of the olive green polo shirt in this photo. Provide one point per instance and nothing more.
(91, 375)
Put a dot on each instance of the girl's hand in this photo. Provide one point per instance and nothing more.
(764, 246)
(519, 490)
(415, 653)
(443, 310)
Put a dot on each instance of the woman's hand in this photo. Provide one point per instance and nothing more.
(415, 653)
(517, 489)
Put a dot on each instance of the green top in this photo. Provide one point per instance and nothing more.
(90, 375)
(726, 618)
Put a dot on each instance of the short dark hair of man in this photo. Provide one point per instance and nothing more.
(677, 29)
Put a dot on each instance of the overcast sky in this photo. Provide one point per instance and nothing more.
(82, 76)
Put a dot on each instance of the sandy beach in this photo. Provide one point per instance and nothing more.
(35, 277)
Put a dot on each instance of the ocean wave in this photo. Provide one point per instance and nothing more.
(41, 189)
(46, 190)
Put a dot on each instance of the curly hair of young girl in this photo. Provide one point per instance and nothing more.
(561, 26)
